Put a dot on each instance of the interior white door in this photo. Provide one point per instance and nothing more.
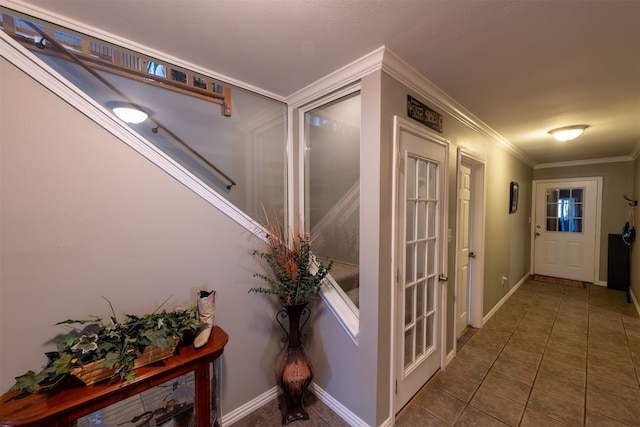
(565, 229)
(419, 254)
(464, 252)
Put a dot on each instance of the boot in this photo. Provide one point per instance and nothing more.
(206, 311)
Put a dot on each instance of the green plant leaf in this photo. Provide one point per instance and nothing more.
(114, 344)
(111, 359)
(63, 363)
(158, 338)
(80, 322)
(29, 382)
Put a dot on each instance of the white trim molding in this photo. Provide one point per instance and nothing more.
(504, 299)
(337, 407)
(337, 80)
(251, 406)
(384, 59)
(635, 300)
(636, 151)
(24, 60)
(404, 73)
(584, 162)
(43, 14)
(273, 393)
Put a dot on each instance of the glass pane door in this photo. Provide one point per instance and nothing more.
(420, 279)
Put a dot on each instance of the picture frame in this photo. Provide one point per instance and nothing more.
(513, 197)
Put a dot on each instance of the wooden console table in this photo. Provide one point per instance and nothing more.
(62, 408)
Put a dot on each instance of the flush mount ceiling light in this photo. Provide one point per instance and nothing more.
(568, 133)
(130, 114)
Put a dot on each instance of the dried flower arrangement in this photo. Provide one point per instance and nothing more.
(298, 274)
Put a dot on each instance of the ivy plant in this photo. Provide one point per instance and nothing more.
(115, 345)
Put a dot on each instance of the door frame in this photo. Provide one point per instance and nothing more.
(477, 219)
(569, 181)
(402, 124)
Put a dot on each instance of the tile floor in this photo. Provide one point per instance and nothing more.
(270, 415)
(552, 355)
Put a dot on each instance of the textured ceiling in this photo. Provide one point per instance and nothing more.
(522, 67)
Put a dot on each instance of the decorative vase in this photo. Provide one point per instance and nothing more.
(294, 371)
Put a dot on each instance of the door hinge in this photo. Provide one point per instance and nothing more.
(396, 386)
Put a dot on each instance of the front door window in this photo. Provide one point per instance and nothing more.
(564, 210)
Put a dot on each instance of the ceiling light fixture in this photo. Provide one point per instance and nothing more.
(130, 114)
(568, 133)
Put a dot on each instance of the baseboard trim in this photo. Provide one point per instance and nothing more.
(450, 356)
(504, 299)
(266, 397)
(337, 407)
(635, 300)
(249, 407)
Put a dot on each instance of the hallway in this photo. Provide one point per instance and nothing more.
(552, 355)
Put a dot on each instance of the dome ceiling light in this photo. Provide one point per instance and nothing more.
(130, 114)
(568, 133)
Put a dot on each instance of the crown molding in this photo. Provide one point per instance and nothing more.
(384, 59)
(636, 151)
(585, 162)
(407, 75)
(344, 76)
(43, 14)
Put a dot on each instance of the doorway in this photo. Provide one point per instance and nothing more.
(420, 256)
(469, 263)
(566, 228)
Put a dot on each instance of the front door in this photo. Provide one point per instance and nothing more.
(566, 228)
(421, 206)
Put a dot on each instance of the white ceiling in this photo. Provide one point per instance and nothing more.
(521, 67)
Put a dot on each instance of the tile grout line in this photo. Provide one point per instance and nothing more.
(493, 363)
(633, 362)
(586, 367)
(526, 405)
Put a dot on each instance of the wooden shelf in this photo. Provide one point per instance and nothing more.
(62, 407)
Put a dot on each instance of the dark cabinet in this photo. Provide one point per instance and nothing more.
(618, 265)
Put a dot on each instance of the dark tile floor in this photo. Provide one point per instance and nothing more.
(552, 355)
(270, 415)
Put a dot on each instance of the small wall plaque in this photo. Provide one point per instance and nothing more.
(514, 188)
(423, 114)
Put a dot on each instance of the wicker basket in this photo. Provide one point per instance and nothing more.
(92, 373)
(153, 354)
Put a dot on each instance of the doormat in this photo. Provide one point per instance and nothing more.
(558, 281)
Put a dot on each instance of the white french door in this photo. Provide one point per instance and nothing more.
(419, 254)
(566, 228)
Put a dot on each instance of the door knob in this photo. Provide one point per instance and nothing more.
(472, 255)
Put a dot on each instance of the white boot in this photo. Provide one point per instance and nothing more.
(206, 311)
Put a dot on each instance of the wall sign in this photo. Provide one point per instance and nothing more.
(423, 114)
